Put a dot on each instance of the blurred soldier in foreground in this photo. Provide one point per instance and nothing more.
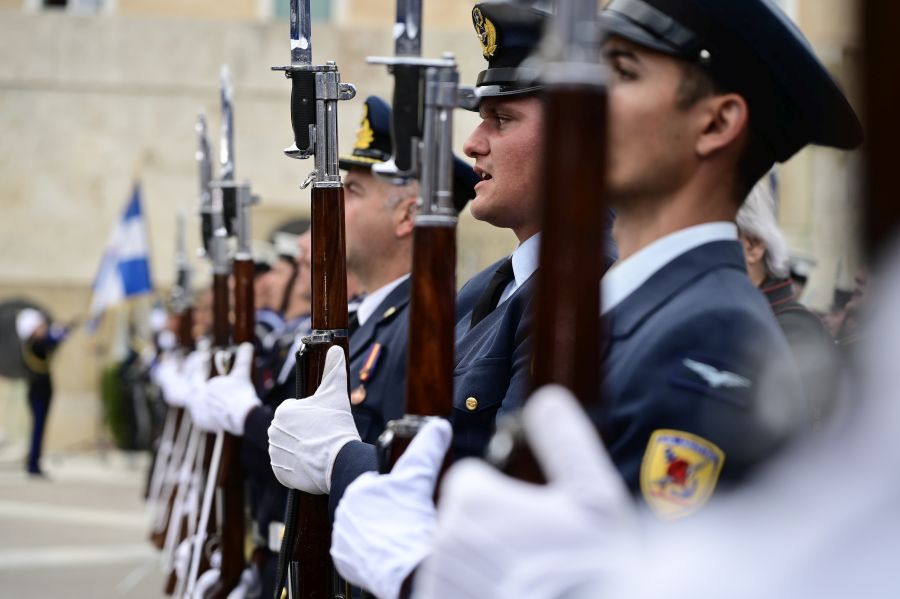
(788, 533)
(766, 254)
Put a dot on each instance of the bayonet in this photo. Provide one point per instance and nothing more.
(204, 163)
(226, 142)
(304, 558)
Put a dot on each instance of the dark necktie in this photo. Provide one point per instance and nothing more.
(353, 323)
(491, 295)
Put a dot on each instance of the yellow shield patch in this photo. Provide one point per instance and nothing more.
(679, 473)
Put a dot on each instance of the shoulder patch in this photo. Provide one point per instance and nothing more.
(679, 473)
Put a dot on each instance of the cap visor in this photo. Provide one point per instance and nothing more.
(614, 24)
(348, 162)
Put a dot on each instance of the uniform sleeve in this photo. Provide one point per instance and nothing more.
(723, 381)
(354, 459)
(256, 427)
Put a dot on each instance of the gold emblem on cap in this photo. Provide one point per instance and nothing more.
(358, 395)
(487, 33)
(365, 135)
(471, 404)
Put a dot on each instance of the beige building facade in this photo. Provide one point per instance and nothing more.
(98, 94)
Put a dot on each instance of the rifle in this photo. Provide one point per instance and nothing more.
(182, 520)
(566, 319)
(880, 213)
(315, 90)
(172, 443)
(225, 528)
(425, 93)
(209, 517)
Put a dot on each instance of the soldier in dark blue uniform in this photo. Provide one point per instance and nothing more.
(379, 227)
(492, 351)
(700, 385)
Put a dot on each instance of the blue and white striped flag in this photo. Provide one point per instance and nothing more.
(125, 269)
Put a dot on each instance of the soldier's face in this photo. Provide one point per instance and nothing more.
(368, 219)
(507, 150)
(651, 138)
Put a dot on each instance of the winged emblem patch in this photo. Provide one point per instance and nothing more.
(717, 378)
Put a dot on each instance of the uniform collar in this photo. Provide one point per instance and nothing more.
(524, 262)
(525, 259)
(393, 303)
(369, 304)
(673, 278)
(626, 276)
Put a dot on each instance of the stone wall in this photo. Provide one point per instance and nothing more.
(91, 103)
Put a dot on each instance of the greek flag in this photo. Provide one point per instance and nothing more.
(125, 269)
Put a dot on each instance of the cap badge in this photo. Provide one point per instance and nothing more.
(679, 473)
(487, 33)
(365, 135)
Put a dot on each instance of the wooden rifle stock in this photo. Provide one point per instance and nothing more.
(231, 477)
(431, 340)
(185, 332)
(566, 326)
(880, 210)
(310, 561)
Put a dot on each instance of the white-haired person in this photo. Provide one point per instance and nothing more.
(768, 266)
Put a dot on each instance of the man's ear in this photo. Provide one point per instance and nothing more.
(726, 121)
(754, 250)
(404, 214)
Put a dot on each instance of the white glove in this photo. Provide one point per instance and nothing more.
(197, 367)
(306, 435)
(202, 415)
(250, 585)
(170, 377)
(499, 537)
(230, 398)
(181, 558)
(385, 523)
(205, 582)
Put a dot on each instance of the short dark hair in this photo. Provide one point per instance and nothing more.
(756, 158)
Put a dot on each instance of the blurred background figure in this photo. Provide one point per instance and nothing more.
(768, 265)
(801, 268)
(843, 318)
(39, 338)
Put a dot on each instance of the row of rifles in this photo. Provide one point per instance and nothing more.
(197, 483)
(196, 488)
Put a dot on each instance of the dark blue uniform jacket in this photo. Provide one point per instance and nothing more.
(701, 308)
(381, 394)
(492, 361)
